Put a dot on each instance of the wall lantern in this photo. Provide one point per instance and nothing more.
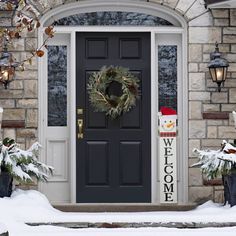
(7, 68)
(218, 67)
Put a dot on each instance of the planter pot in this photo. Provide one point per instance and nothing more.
(225, 180)
(5, 184)
(229, 182)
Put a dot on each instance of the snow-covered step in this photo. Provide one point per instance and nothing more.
(179, 225)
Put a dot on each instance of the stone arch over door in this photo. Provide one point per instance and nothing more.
(142, 7)
(190, 10)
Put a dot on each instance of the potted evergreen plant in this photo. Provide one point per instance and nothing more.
(220, 163)
(21, 165)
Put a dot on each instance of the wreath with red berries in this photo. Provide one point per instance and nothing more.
(113, 104)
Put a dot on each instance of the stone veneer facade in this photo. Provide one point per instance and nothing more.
(205, 27)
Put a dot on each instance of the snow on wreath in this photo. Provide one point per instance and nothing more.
(22, 165)
(113, 90)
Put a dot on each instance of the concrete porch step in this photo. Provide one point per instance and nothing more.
(122, 207)
(179, 225)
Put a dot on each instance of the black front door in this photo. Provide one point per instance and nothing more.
(113, 160)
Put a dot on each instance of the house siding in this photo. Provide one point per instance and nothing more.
(205, 27)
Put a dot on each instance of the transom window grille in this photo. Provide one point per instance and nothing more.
(112, 18)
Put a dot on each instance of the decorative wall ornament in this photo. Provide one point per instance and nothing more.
(121, 99)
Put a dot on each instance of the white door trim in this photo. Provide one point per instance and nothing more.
(143, 7)
(73, 119)
(182, 96)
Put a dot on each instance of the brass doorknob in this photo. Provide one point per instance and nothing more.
(80, 125)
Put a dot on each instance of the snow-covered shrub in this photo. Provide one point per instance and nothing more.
(22, 165)
(215, 163)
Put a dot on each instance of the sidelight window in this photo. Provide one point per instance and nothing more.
(57, 85)
(167, 73)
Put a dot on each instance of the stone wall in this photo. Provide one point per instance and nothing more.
(218, 25)
(20, 101)
(205, 28)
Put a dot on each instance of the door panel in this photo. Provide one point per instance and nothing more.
(96, 48)
(130, 152)
(132, 120)
(113, 161)
(97, 163)
(130, 48)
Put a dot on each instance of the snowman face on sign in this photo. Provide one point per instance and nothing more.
(168, 123)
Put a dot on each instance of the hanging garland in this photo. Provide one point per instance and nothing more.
(98, 90)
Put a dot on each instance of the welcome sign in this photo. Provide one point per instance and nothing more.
(167, 156)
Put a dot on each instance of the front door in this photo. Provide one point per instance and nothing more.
(113, 159)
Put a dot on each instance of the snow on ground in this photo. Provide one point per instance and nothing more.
(32, 206)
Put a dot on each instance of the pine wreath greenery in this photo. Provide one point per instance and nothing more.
(112, 105)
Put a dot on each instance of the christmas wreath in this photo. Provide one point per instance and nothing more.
(101, 97)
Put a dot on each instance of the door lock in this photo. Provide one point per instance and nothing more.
(80, 125)
(80, 111)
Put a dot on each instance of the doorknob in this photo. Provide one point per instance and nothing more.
(80, 125)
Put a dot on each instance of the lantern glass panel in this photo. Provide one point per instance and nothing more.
(7, 74)
(213, 74)
(225, 69)
(218, 74)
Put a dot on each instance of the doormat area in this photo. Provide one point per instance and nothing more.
(179, 225)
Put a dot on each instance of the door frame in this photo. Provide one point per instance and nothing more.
(182, 104)
(151, 8)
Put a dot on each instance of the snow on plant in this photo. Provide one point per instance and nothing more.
(21, 164)
(215, 163)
